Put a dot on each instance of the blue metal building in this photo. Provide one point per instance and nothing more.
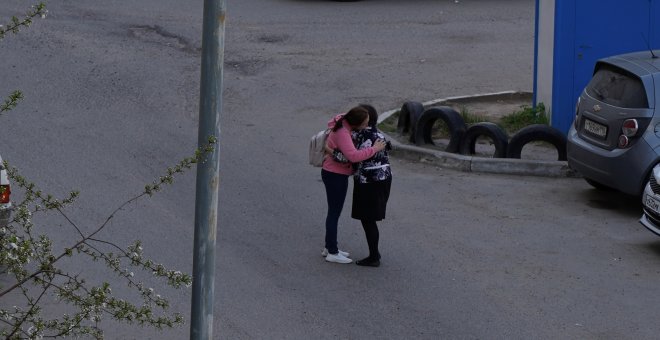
(572, 34)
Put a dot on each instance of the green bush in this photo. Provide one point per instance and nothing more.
(525, 116)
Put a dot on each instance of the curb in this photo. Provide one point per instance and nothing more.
(459, 162)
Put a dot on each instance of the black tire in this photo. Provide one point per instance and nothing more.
(599, 185)
(537, 132)
(490, 130)
(448, 115)
(408, 116)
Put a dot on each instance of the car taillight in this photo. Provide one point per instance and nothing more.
(5, 192)
(630, 127)
(628, 130)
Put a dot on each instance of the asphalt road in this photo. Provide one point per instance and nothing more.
(111, 101)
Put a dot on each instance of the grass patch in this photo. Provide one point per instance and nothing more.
(389, 124)
(471, 118)
(524, 117)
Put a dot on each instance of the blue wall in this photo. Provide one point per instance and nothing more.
(586, 31)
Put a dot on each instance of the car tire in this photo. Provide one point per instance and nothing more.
(487, 129)
(448, 115)
(537, 132)
(408, 116)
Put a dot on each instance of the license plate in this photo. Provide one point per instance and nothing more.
(652, 203)
(597, 129)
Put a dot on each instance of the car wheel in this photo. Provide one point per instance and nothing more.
(598, 185)
(490, 130)
(537, 132)
(448, 115)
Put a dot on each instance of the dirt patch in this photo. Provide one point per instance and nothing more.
(491, 106)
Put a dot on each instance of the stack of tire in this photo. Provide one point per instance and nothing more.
(418, 122)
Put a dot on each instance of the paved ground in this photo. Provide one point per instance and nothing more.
(111, 100)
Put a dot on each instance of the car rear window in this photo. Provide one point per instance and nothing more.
(617, 87)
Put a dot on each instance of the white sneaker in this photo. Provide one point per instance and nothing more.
(325, 253)
(338, 258)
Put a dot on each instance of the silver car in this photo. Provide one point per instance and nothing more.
(5, 193)
(614, 141)
(651, 203)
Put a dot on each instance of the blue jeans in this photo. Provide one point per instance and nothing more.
(336, 186)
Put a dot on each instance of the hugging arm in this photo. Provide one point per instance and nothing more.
(339, 157)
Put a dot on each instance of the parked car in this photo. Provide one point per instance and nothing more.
(614, 141)
(5, 197)
(651, 202)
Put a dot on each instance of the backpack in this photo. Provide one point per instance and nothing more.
(317, 148)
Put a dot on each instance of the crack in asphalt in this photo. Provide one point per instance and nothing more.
(273, 38)
(158, 35)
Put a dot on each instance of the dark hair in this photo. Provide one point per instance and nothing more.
(373, 114)
(354, 117)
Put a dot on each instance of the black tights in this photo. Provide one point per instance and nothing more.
(371, 232)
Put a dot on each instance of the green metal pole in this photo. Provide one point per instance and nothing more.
(206, 198)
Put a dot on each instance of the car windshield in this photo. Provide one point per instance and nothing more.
(617, 87)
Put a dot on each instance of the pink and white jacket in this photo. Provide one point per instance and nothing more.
(341, 139)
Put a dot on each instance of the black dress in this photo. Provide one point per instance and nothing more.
(372, 180)
(370, 200)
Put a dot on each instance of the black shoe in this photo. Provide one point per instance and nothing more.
(368, 262)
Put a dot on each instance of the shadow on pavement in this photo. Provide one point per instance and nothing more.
(613, 200)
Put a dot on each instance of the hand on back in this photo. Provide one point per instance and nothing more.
(380, 145)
